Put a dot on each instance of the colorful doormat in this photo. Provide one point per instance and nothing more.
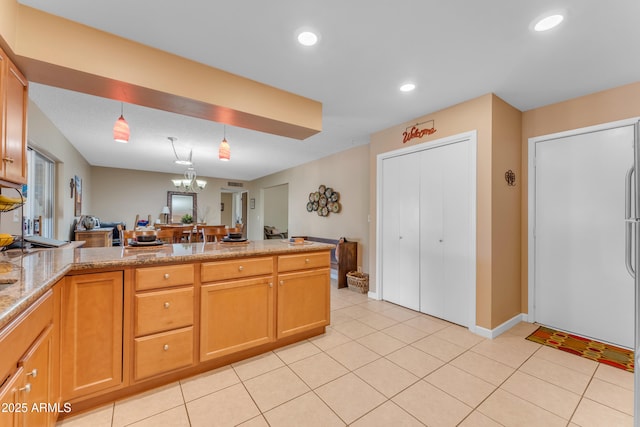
(584, 347)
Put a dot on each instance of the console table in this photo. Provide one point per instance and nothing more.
(98, 237)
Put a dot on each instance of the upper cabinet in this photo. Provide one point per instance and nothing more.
(13, 118)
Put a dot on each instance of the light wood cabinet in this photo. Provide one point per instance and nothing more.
(37, 394)
(163, 320)
(97, 238)
(163, 310)
(163, 352)
(9, 401)
(236, 315)
(304, 295)
(30, 377)
(164, 276)
(236, 269)
(91, 333)
(14, 99)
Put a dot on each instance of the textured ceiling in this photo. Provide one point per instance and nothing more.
(453, 50)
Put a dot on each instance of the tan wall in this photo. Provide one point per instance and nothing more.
(506, 243)
(346, 172)
(602, 107)
(497, 283)
(471, 115)
(46, 138)
(121, 194)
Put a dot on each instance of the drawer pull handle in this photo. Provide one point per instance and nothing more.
(166, 275)
(281, 282)
(26, 388)
(8, 159)
(33, 373)
(166, 304)
(271, 284)
(240, 268)
(306, 260)
(166, 347)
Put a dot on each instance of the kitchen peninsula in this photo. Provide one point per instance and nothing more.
(83, 326)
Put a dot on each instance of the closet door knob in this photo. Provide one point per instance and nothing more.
(33, 373)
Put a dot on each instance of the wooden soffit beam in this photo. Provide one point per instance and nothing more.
(62, 53)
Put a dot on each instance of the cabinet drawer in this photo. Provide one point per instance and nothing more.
(237, 268)
(303, 261)
(164, 276)
(163, 310)
(163, 352)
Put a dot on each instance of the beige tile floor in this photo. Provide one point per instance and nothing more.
(383, 365)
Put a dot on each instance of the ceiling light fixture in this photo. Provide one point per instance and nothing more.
(407, 87)
(178, 160)
(224, 151)
(307, 38)
(121, 130)
(189, 184)
(548, 22)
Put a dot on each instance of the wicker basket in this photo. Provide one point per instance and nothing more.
(358, 281)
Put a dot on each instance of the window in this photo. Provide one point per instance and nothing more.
(38, 210)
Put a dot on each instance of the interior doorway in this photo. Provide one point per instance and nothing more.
(276, 207)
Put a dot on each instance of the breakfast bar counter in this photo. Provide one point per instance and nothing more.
(37, 271)
(101, 323)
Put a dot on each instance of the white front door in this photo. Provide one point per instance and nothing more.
(581, 283)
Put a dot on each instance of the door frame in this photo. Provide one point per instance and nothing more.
(471, 138)
(531, 198)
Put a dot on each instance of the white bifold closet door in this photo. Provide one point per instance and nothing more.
(426, 231)
(581, 284)
(401, 233)
(445, 225)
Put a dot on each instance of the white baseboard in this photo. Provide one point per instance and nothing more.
(492, 333)
(373, 295)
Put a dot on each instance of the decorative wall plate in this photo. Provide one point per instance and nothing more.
(324, 201)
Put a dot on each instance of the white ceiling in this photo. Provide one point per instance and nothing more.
(453, 50)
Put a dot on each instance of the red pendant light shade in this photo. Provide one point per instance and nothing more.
(224, 152)
(121, 130)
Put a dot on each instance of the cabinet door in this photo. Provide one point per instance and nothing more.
(37, 373)
(10, 408)
(303, 301)
(91, 333)
(15, 144)
(235, 316)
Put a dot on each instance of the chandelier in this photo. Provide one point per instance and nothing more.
(190, 183)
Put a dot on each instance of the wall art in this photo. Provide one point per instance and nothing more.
(324, 201)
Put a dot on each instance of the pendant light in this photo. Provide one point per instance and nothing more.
(224, 152)
(121, 128)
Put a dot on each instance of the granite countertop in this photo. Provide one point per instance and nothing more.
(36, 272)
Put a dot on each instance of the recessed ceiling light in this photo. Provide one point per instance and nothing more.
(307, 38)
(407, 87)
(548, 22)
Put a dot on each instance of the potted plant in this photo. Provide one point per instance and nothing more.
(186, 219)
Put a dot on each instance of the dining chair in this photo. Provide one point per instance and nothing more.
(167, 235)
